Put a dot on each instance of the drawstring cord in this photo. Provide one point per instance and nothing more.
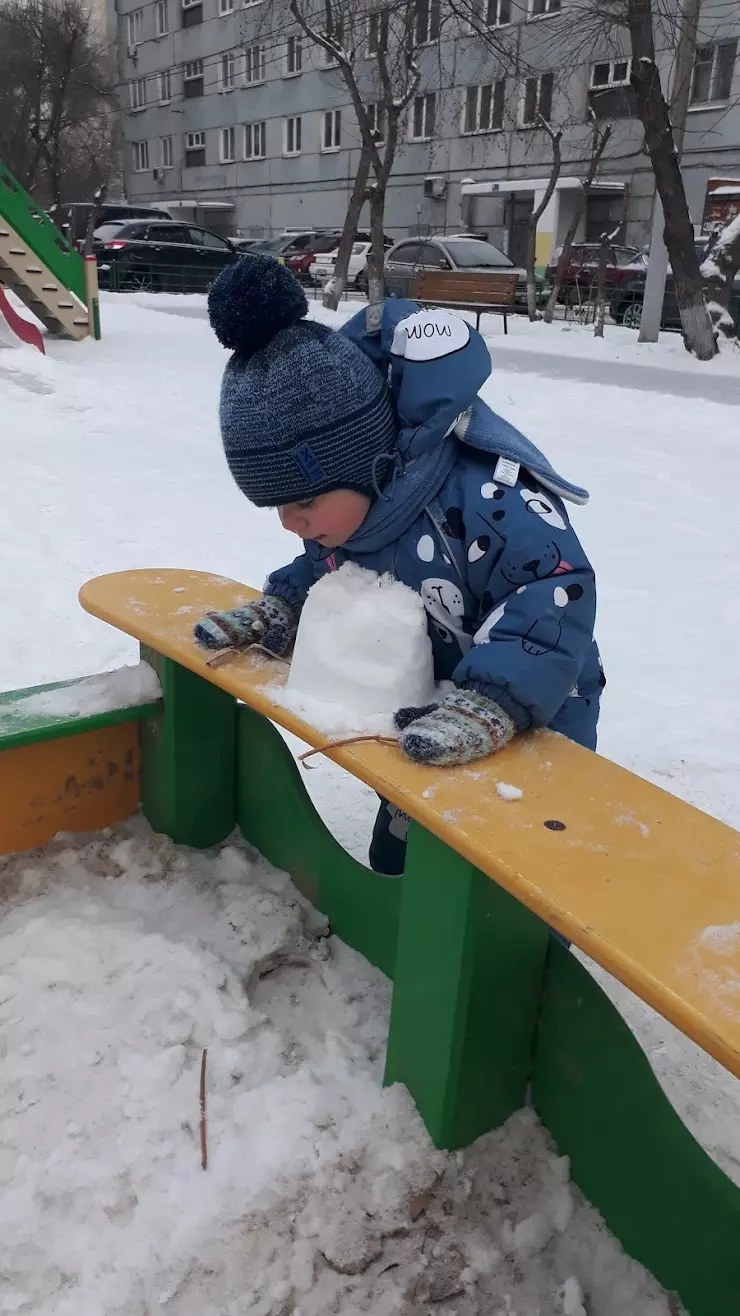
(397, 460)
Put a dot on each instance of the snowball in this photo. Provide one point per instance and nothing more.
(506, 792)
(361, 652)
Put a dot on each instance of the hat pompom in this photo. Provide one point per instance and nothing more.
(252, 300)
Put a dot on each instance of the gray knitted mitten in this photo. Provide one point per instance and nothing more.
(270, 622)
(465, 727)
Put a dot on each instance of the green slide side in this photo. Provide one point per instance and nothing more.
(40, 234)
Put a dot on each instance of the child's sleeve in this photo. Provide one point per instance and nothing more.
(293, 582)
(537, 612)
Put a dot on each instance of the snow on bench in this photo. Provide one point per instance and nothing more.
(47, 711)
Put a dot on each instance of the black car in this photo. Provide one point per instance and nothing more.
(161, 256)
(626, 303)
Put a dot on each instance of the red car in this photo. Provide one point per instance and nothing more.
(583, 265)
(297, 250)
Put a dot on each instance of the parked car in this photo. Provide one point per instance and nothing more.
(323, 266)
(582, 267)
(244, 245)
(464, 255)
(164, 256)
(297, 250)
(75, 217)
(626, 303)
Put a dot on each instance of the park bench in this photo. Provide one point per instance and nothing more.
(483, 294)
(488, 1009)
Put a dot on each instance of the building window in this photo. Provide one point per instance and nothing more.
(540, 8)
(137, 91)
(293, 56)
(162, 18)
(332, 136)
(249, 3)
(610, 94)
(426, 28)
(134, 26)
(376, 119)
(228, 71)
(422, 117)
(373, 33)
(497, 13)
(165, 87)
(612, 73)
(225, 7)
(195, 149)
(193, 79)
(484, 107)
(254, 65)
(293, 138)
(537, 101)
(192, 12)
(228, 145)
(165, 152)
(714, 67)
(255, 141)
(141, 157)
(328, 59)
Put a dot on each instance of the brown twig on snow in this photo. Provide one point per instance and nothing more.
(203, 1134)
(349, 740)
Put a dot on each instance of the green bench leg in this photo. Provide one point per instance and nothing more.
(188, 757)
(466, 994)
(277, 817)
(668, 1203)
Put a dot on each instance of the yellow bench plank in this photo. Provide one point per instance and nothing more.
(642, 882)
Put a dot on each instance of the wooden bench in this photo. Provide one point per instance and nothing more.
(483, 294)
(488, 1008)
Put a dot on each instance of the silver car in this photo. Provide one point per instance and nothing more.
(463, 254)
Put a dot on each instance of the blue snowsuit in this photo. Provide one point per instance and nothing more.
(509, 593)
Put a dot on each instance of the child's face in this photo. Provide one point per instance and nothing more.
(331, 518)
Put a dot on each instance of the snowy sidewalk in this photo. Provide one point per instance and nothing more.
(562, 351)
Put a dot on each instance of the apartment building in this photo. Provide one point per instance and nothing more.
(233, 119)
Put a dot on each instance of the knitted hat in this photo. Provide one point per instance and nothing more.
(303, 410)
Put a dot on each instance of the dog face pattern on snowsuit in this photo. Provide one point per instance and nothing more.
(509, 595)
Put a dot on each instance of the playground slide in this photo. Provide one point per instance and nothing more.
(23, 329)
(39, 265)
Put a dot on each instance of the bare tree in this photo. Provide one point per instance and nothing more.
(334, 287)
(599, 140)
(382, 72)
(56, 98)
(659, 139)
(538, 211)
(718, 272)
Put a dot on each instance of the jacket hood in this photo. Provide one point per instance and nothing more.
(435, 364)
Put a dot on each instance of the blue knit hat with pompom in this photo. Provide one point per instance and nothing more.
(303, 410)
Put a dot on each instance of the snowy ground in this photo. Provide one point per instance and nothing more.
(122, 959)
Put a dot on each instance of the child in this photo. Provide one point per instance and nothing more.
(373, 445)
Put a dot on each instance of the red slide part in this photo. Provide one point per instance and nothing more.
(23, 328)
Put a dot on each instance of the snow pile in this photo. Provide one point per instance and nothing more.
(362, 651)
(121, 958)
(125, 688)
(507, 792)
